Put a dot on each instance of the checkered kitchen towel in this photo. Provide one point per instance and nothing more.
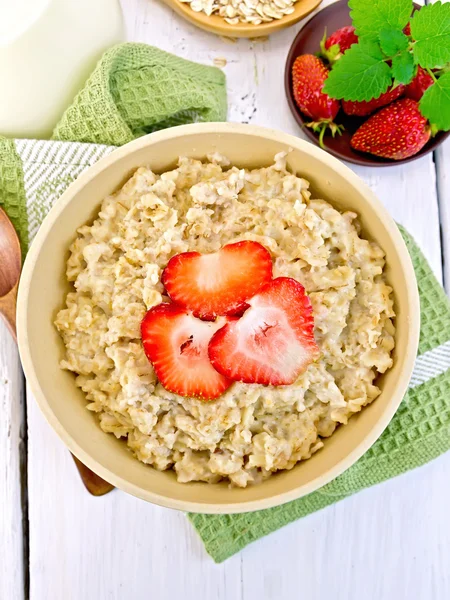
(33, 174)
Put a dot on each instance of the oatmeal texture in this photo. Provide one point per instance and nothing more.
(251, 431)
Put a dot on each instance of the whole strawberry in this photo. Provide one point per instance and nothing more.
(419, 85)
(396, 131)
(343, 37)
(366, 107)
(308, 76)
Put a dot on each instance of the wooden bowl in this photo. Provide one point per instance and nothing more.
(219, 26)
(307, 41)
(43, 287)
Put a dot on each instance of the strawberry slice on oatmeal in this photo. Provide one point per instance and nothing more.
(176, 343)
(273, 342)
(218, 283)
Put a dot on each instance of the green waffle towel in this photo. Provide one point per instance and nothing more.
(136, 89)
(33, 174)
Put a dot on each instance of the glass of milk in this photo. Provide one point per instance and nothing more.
(48, 48)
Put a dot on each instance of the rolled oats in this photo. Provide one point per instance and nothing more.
(220, 61)
(254, 12)
(251, 431)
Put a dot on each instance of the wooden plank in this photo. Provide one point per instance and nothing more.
(12, 430)
(442, 157)
(389, 542)
(116, 546)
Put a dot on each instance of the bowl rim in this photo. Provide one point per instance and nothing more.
(216, 24)
(219, 128)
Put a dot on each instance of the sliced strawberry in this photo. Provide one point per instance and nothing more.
(218, 283)
(176, 343)
(273, 342)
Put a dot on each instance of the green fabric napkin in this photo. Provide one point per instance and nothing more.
(136, 89)
(119, 103)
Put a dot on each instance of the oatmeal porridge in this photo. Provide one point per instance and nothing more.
(251, 430)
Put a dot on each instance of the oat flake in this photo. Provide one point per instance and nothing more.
(249, 11)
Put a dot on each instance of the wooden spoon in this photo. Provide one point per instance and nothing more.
(10, 266)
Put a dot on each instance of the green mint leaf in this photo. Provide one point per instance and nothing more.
(372, 16)
(360, 74)
(435, 103)
(430, 28)
(393, 41)
(403, 67)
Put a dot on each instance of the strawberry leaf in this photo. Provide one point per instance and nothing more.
(372, 16)
(360, 74)
(430, 28)
(330, 53)
(435, 103)
(403, 67)
(393, 41)
(333, 51)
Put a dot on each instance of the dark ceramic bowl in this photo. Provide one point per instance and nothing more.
(307, 41)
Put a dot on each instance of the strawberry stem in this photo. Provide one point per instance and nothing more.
(431, 74)
(434, 129)
(322, 133)
(323, 40)
(321, 127)
(332, 54)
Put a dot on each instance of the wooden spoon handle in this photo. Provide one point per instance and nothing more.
(8, 310)
(92, 482)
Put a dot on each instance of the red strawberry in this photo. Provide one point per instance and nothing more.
(273, 342)
(407, 29)
(363, 108)
(308, 77)
(218, 283)
(176, 343)
(396, 131)
(343, 37)
(419, 85)
(333, 47)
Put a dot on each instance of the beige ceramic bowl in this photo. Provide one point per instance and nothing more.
(43, 288)
(219, 26)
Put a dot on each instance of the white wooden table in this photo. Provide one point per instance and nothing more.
(389, 542)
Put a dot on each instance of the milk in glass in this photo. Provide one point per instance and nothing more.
(47, 50)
